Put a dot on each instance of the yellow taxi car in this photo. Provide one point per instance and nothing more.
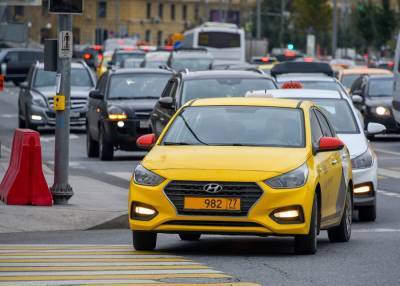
(103, 66)
(252, 166)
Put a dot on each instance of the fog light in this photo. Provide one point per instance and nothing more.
(120, 124)
(36, 117)
(287, 215)
(362, 190)
(142, 211)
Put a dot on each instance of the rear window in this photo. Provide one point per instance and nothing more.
(220, 40)
(79, 77)
(348, 80)
(381, 87)
(30, 56)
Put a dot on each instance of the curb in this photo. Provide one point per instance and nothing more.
(121, 222)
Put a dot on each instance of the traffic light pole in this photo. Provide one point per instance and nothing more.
(61, 190)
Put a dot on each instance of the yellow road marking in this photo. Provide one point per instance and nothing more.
(94, 253)
(105, 276)
(184, 284)
(99, 268)
(4, 260)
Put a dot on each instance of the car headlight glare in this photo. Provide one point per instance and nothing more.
(294, 179)
(363, 161)
(37, 99)
(142, 176)
(382, 111)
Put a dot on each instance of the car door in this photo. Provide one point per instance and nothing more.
(321, 160)
(336, 181)
(94, 108)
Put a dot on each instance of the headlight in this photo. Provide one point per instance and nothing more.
(293, 179)
(38, 99)
(382, 111)
(363, 161)
(142, 176)
(116, 113)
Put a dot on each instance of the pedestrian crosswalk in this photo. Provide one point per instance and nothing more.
(101, 265)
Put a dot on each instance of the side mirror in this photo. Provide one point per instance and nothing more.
(96, 94)
(330, 144)
(166, 102)
(357, 99)
(375, 128)
(146, 142)
(356, 92)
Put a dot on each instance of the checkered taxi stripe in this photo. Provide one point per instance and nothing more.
(101, 265)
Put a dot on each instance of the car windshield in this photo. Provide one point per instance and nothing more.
(129, 86)
(223, 87)
(325, 85)
(220, 125)
(193, 64)
(79, 77)
(381, 87)
(348, 80)
(339, 114)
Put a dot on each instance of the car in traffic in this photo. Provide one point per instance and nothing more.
(16, 62)
(104, 63)
(119, 56)
(349, 128)
(36, 96)
(155, 59)
(373, 96)
(191, 59)
(243, 166)
(302, 67)
(348, 76)
(185, 86)
(119, 109)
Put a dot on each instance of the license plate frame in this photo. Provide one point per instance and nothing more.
(144, 124)
(212, 204)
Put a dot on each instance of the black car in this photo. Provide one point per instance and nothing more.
(120, 56)
(36, 96)
(120, 107)
(186, 86)
(373, 95)
(15, 63)
(191, 59)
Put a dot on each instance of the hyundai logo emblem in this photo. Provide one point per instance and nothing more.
(212, 188)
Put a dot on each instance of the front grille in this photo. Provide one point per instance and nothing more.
(213, 223)
(248, 193)
(76, 102)
(143, 114)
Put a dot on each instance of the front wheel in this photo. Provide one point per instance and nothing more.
(92, 146)
(342, 232)
(308, 244)
(144, 240)
(106, 149)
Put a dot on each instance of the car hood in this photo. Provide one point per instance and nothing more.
(380, 101)
(76, 91)
(356, 143)
(132, 105)
(224, 158)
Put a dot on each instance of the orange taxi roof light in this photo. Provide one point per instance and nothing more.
(292, 85)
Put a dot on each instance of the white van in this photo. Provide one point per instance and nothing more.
(226, 42)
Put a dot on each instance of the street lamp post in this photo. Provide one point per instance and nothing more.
(334, 29)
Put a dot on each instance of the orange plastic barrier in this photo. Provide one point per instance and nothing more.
(1, 82)
(24, 182)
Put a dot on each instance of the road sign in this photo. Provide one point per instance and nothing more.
(66, 6)
(65, 44)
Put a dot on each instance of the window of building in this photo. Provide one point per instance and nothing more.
(196, 12)
(102, 9)
(19, 10)
(184, 12)
(147, 36)
(148, 10)
(160, 10)
(159, 38)
(45, 7)
(172, 11)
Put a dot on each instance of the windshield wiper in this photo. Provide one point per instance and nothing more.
(191, 130)
(176, 143)
(146, 97)
(120, 98)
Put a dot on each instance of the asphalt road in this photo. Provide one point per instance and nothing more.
(372, 257)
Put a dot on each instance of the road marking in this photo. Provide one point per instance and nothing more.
(389, 173)
(100, 265)
(122, 175)
(386, 151)
(51, 138)
(389, 194)
(376, 230)
(9, 115)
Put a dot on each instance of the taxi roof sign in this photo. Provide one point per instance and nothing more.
(66, 6)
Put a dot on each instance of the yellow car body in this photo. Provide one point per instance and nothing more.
(243, 165)
(103, 66)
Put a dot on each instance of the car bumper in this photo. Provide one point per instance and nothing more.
(366, 177)
(258, 220)
(125, 137)
(48, 117)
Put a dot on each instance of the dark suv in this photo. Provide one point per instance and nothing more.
(36, 96)
(15, 63)
(120, 107)
(373, 96)
(186, 86)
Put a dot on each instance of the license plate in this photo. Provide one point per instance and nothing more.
(75, 114)
(223, 204)
(144, 124)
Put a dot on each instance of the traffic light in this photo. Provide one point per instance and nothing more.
(290, 47)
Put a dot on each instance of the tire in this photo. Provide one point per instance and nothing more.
(342, 232)
(367, 213)
(29, 125)
(307, 244)
(189, 236)
(92, 146)
(144, 240)
(106, 150)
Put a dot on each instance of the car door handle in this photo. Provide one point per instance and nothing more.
(334, 162)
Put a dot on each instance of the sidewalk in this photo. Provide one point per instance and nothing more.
(95, 204)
